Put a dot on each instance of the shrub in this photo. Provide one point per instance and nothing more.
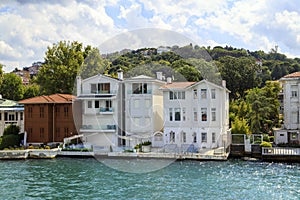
(10, 141)
(30, 147)
(266, 144)
(47, 147)
(266, 138)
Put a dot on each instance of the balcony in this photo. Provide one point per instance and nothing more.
(106, 111)
(139, 92)
(98, 128)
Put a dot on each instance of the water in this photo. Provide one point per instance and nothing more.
(64, 178)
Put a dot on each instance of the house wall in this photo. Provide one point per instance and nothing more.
(18, 120)
(291, 104)
(191, 121)
(50, 125)
(95, 121)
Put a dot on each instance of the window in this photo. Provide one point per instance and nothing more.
(41, 132)
(195, 94)
(29, 111)
(57, 132)
(203, 137)
(108, 105)
(176, 95)
(213, 93)
(66, 131)
(93, 88)
(0, 116)
(295, 117)
(42, 112)
(294, 89)
(89, 104)
(103, 88)
(183, 137)
(183, 114)
(139, 88)
(195, 137)
(203, 93)
(204, 114)
(172, 136)
(195, 115)
(21, 116)
(16, 116)
(171, 95)
(213, 114)
(11, 117)
(97, 104)
(5, 116)
(171, 114)
(177, 114)
(100, 88)
(57, 111)
(213, 137)
(66, 111)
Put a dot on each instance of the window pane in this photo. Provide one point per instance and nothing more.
(213, 93)
(203, 93)
(171, 95)
(177, 114)
(204, 137)
(204, 114)
(171, 114)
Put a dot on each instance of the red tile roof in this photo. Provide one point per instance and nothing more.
(54, 98)
(293, 75)
(177, 85)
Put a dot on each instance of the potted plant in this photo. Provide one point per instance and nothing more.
(146, 146)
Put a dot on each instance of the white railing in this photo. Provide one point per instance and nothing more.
(284, 151)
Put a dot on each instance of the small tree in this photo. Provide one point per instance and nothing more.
(11, 137)
(11, 130)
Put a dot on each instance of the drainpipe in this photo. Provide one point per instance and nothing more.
(53, 118)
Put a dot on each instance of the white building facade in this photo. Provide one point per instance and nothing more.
(11, 113)
(196, 115)
(101, 103)
(143, 108)
(291, 103)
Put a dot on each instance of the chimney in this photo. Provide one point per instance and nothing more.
(78, 84)
(159, 75)
(169, 80)
(120, 74)
(224, 83)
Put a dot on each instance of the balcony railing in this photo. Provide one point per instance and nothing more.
(99, 92)
(140, 92)
(100, 128)
(105, 110)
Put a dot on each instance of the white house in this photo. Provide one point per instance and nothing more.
(143, 108)
(11, 113)
(196, 115)
(101, 100)
(291, 103)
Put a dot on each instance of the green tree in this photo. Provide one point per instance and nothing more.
(93, 64)
(264, 113)
(31, 90)
(12, 87)
(11, 130)
(239, 73)
(240, 126)
(1, 73)
(62, 63)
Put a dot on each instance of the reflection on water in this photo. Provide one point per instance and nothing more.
(64, 178)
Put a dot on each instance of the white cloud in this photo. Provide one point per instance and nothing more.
(28, 28)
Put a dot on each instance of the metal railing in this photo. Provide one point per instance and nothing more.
(280, 151)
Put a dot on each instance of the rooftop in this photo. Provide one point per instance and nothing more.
(54, 98)
(292, 75)
(177, 85)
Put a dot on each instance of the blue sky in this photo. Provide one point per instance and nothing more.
(29, 27)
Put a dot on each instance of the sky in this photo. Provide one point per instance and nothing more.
(27, 28)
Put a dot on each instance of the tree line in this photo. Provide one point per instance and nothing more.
(247, 74)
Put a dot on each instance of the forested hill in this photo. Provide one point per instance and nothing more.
(242, 69)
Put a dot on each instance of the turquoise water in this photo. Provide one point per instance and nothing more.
(65, 178)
